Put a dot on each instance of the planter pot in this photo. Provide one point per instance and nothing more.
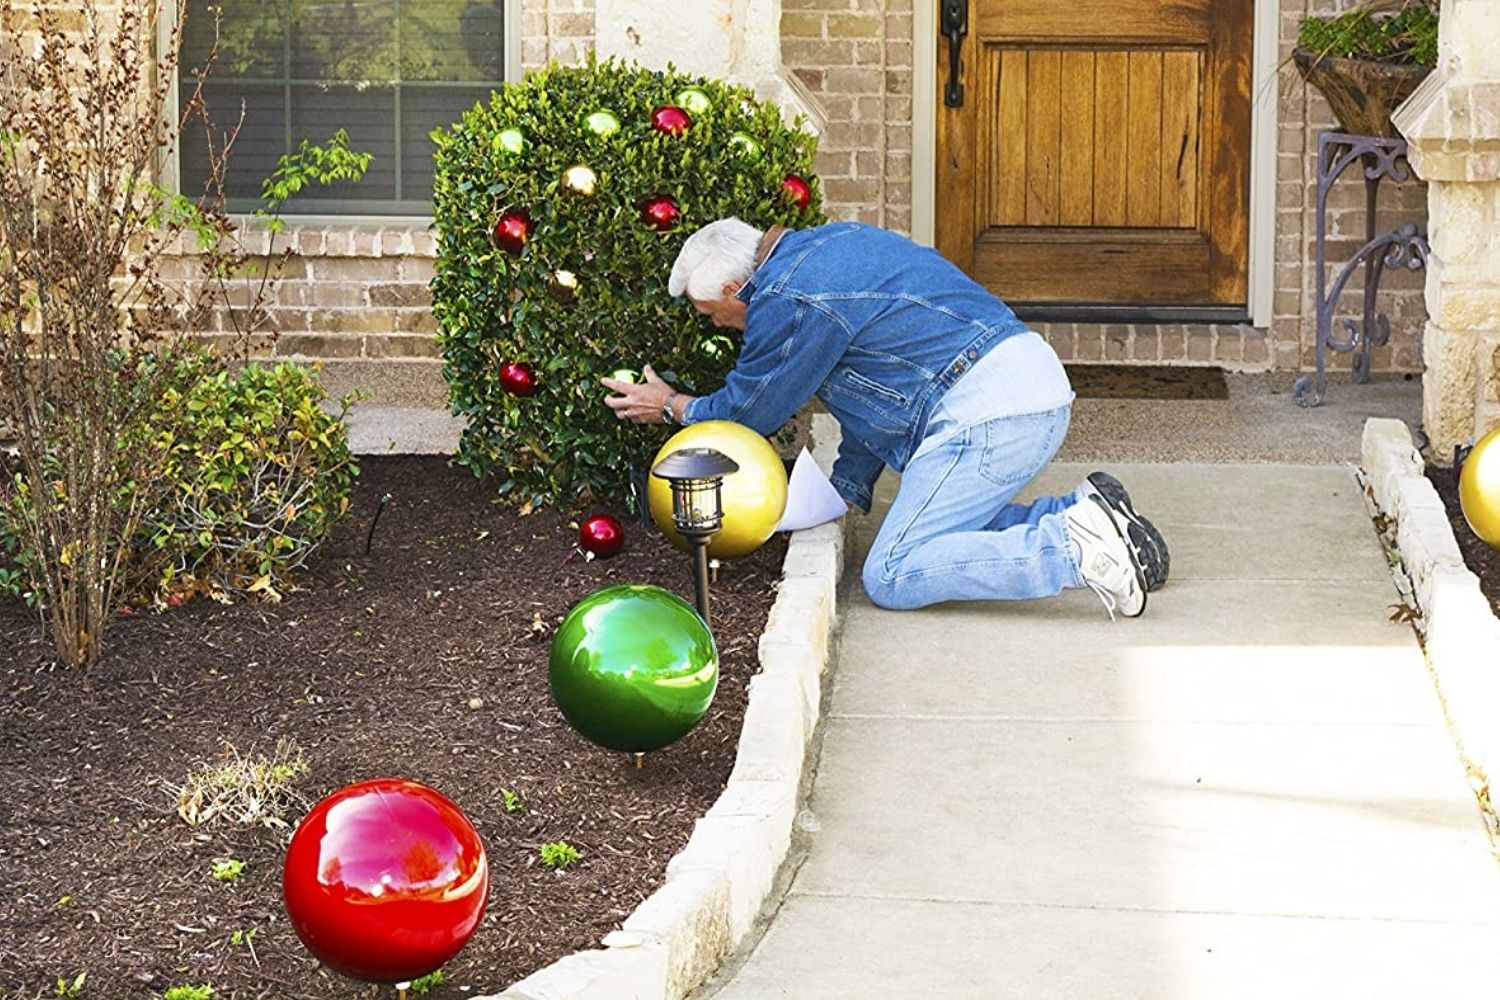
(1362, 92)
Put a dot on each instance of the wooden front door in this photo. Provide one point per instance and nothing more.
(1101, 151)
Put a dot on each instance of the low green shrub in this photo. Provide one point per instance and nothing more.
(1407, 33)
(258, 472)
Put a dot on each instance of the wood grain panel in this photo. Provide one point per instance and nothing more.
(1043, 135)
(1100, 22)
(1076, 177)
(1109, 267)
(1012, 154)
(1179, 138)
(1111, 111)
(1143, 132)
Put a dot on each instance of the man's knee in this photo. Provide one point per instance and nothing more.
(880, 584)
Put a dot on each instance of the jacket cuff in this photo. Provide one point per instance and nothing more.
(853, 492)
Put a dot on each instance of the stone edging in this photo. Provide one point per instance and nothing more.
(1458, 625)
(715, 887)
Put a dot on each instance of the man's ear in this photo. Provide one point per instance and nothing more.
(732, 288)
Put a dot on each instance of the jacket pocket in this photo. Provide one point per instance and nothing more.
(874, 388)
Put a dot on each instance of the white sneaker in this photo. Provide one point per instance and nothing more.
(1106, 562)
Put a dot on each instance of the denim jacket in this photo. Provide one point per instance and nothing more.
(875, 326)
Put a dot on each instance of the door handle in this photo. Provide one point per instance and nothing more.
(955, 26)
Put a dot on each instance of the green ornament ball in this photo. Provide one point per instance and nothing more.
(603, 123)
(695, 101)
(633, 668)
(745, 146)
(511, 141)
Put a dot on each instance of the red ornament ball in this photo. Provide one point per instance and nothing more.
(517, 378)
(671, 119)
(660, 212)
(601, 534)
(797, 190)
(385, 880)
(512, 230)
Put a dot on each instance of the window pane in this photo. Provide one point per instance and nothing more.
(422, 110)
(453, 40)
(387, 71)
(347, 41)
(369, 116)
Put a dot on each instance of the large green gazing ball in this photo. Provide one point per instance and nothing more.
(633, 668)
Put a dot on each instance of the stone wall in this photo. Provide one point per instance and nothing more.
(1453, 125)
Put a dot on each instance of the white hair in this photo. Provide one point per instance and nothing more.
(716, 255)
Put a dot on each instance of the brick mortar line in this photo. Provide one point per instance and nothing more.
(716, 885)
(1453, 617)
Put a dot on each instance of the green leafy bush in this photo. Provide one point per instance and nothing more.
(1407, 33)
(257, 474)
(563, 445)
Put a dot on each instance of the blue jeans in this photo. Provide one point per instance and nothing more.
(952, 533)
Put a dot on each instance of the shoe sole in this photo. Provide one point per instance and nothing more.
(1149, 545)
(1140, 575)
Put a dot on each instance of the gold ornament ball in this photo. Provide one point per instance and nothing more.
(581, 180)
(754, 498)
(1479, 489)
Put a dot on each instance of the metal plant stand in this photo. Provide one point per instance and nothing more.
(1405, 246)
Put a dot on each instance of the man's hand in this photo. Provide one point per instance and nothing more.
(641, 403)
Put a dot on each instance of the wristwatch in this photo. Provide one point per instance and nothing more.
(666, 409)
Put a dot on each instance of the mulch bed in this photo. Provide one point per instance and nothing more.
(371, 669)
(1482, 560)
(1105, 381)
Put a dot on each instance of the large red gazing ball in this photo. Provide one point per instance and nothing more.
(797, 190)
(385, 880)
(517, 378)
(660, 212)
(512, 230)
(671, 119)
(601, 534)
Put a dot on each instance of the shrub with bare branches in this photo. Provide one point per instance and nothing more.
(89, 326)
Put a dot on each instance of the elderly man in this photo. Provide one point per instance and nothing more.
(928, 373)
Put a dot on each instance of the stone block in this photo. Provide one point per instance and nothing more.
(743, 839)
(774, 736)
(1388, 454)
(690, 916)
(803, 666)
(629, 973)
(1462, 634)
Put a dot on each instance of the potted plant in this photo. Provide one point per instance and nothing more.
(1369, 59)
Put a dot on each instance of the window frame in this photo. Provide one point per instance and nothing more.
(171, 162)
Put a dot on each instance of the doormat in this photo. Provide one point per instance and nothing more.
(1147, 382)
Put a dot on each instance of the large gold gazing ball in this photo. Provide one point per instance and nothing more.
(1479, 489)
(754, 498)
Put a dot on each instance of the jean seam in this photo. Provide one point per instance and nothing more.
(918, 574)
(886, 575)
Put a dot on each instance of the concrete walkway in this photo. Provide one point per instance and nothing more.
(1249, 792)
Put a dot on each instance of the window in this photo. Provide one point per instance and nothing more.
(387, 71)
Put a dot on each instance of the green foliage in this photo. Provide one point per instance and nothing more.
(244, 937)
(228, 871)
(73, 989)
(310, 164)
(1405, 34)
(257, 473)
(431, 981)
(189, 993)
(563, 445)
(559, 855)
(512, 801)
